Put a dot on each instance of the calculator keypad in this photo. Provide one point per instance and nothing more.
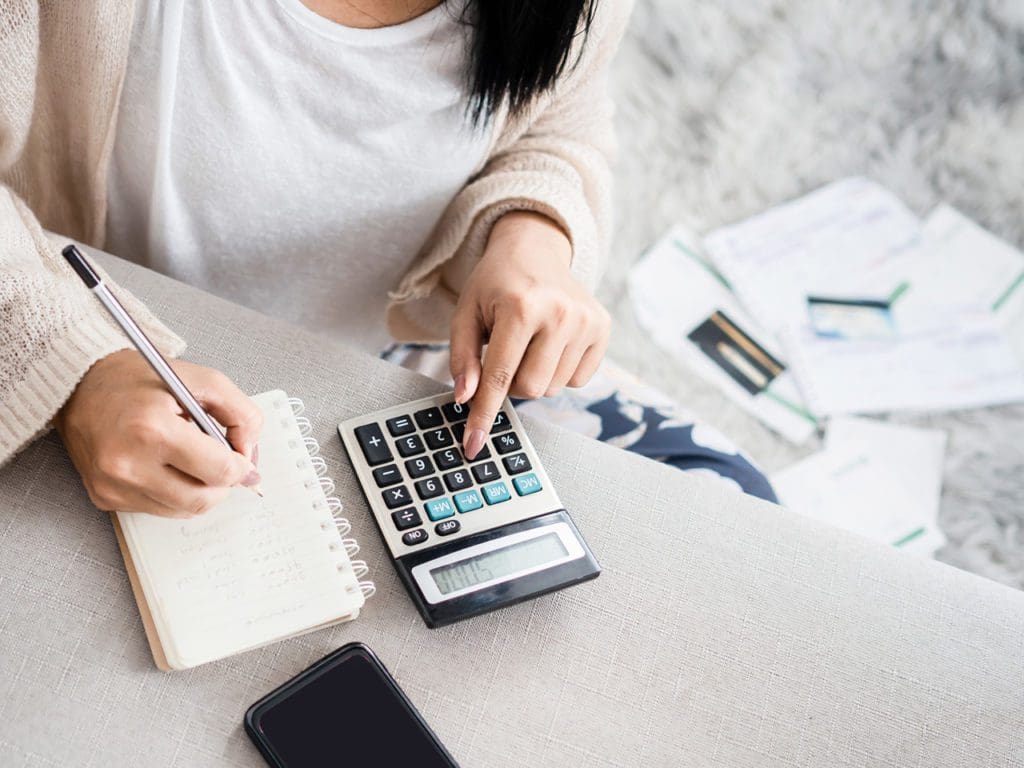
(432, 481)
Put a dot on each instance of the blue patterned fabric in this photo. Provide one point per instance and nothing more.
(617, 408)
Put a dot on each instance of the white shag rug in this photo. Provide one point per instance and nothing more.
(727, 107)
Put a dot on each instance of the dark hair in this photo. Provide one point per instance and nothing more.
(519, 48)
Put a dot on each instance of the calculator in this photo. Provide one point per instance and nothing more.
(466, 537)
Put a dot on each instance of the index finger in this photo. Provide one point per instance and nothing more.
(509, 339)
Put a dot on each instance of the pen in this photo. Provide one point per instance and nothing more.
(157, 361)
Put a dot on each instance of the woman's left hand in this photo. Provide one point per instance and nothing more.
(543, 330)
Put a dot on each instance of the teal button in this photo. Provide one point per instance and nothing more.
(438, 509)
(495, 493)
(467, 501)
(526, 484)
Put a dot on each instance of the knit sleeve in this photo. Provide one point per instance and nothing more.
(554, 161)
(51, 328)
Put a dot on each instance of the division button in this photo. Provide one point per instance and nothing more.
(385, 476)
(486, 471)
(371, 440)
(416, 536)
(526, 484)
(495, 493)
(516, 464)
(400, 425)
(397, 497)
(409, 446)
(455, 412)
(406, 518)
(429, 418)
(507, 443)
(447, 527)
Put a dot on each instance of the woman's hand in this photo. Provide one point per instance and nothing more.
(135, 449)
(543, 329)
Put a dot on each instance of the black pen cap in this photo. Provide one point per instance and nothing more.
(81, 266)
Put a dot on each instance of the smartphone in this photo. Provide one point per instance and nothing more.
(346, 709)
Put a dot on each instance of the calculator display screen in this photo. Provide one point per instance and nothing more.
(498, 563)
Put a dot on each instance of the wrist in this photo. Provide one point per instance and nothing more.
(532, 232)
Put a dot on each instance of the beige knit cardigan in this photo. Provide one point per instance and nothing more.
(62, 63)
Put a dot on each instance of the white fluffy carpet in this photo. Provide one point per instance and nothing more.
(731, 106)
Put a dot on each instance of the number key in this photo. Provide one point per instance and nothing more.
(396, 497)
(507, 443)
(429, 488)
(419, 467)
(484, 472)
(447, 459)
(410, 446)
(458, 480)
(455, 412)
(438, 438)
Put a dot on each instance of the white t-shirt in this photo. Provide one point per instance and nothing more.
(273, 157)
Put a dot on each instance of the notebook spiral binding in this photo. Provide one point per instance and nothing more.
(333, 503)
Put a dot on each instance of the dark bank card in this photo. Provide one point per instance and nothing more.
(748, 363)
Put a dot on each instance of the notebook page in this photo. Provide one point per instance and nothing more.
(250, 571)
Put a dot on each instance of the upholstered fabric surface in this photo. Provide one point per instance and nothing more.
(723, 631)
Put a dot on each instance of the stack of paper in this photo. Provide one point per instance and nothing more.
(879, 480)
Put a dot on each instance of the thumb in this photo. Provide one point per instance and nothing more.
(467, 338)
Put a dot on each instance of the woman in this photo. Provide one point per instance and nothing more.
(336, 163)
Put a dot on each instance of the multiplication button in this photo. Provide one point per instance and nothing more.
(397, 497)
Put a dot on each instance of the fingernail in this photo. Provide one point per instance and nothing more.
(474, 443)
(460, 389)
(253, 478)
(256, 455)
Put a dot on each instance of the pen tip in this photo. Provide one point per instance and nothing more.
(258, 491)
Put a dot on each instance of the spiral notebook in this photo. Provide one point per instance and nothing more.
(251, 571)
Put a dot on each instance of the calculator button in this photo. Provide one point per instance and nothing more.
(507, 443)
(455, 412)
(501, 422)
(484, 472)
(385, 476)
(526, 484)
(419, 467)
(429, 418)
(417, 536)
(438, 438)
(485, 453)
(400, 425)
(439, 509)
(516, 464)
(448, 527)
(406, 518)
(448, 459)
(429, 488)
(459, 430)
(371, 440)
(397, 497)
(495, 493)
(458, 480)
(467, 501)
(409, 446)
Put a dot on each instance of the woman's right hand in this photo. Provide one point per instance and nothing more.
(138, 451)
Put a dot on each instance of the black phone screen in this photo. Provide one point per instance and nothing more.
(345, 710)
